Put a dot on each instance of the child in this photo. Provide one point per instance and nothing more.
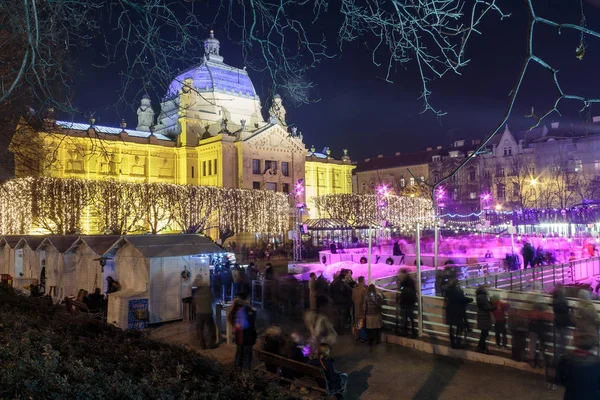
(336, 380)
(500, 320)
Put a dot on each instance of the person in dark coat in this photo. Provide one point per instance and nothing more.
(456, 307)
(407, 300)
(269, 272)
(579, 372)
(243, 319)
(341, 296)
(96, 300)
(205, 323)
(396, 249)
(528, 253)
(484, 317)
(562, 320)
(333, 248)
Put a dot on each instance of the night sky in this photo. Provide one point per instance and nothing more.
(359, 111)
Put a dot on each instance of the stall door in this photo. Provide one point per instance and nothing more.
(18, 262)
(172, 286)
(165, 290)
(109, 270)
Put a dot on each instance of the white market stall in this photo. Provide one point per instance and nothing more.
(149, 269)
(7, 257)
(86, 272)
(55, 257)
(28, 263)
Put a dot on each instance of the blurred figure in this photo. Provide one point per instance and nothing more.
(205, 324)
(341, 295)
(528, 253)
(562, 321)
(96, 300)
(312, 291)
(322, 290)
(252, 272)
(320, 330)
(269, 272)
(538, 316)
(336, 380)
(372, 311)
(456, 307)
(236, 279)
(579, 372)
(243, 319)
(484, 317)
(358, 298)
(273, 343)
(407, 300)
(500, 320)
(587, 322)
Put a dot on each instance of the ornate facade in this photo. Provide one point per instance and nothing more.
(209, 131)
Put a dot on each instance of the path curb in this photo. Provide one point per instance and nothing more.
(442, 350)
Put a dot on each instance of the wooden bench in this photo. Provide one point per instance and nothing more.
(302, 369)
(77, 307)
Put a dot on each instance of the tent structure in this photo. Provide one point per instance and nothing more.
(54, 255)
(150, 270)
(7, 255)
(86, 272)
(27, 256)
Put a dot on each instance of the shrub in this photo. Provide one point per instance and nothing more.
(46, 353)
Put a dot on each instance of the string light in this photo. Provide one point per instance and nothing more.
(62, 206)
(365, 209)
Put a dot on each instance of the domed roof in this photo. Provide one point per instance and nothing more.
(214, 75)
(218, 77)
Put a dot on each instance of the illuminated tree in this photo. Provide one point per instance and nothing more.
(118, 207)
(58, 205)
(192, 207)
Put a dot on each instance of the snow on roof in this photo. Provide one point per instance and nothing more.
(109, 130)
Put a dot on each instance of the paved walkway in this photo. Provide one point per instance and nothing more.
(389, 371)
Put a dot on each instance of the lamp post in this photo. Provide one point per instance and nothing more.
(297, 244)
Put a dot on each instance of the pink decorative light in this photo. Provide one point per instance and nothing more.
(382, 190)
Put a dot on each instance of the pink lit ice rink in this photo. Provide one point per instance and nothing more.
(379, 270)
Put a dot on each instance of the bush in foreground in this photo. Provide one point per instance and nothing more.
(46, 353)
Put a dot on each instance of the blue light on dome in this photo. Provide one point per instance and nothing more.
(212, 76)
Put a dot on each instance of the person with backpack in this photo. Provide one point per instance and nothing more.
(372, 312)
(243, 319)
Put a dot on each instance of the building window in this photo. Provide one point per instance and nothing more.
(516, 189)
(455, 194)
(597, 165)
(507, 150)
(501, 191)
(203, 168)
(500, 171)
(271, 186)
(471, 174)
(215, 166)
(578, 165)
(473, 195)
(402, 182)
(256, 185)
(270, 164)
(210, 168)
(486, 174)
(422, 179)
(192, 171)
(363, 187)
(435, 158)
(256, 167)
(285, 168)
(285, 188)
(412, 181)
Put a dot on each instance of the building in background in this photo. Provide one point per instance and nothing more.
(209, 131)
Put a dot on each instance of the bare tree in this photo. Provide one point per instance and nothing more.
(520, 181)
(118, 207)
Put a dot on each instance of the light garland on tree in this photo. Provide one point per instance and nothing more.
(363, 210)
(64, 206)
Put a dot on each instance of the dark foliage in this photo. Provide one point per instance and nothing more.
(46, 353)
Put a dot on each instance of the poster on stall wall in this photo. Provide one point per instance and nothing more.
(201, 268)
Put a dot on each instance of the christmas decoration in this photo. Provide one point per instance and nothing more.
(68, 206)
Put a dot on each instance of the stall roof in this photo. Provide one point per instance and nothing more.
(100, 244)
(32, 241)
(323, 224)
(152, 246)
(11, 240)
(62, 243)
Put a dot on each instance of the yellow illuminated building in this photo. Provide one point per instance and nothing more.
(209, 131)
